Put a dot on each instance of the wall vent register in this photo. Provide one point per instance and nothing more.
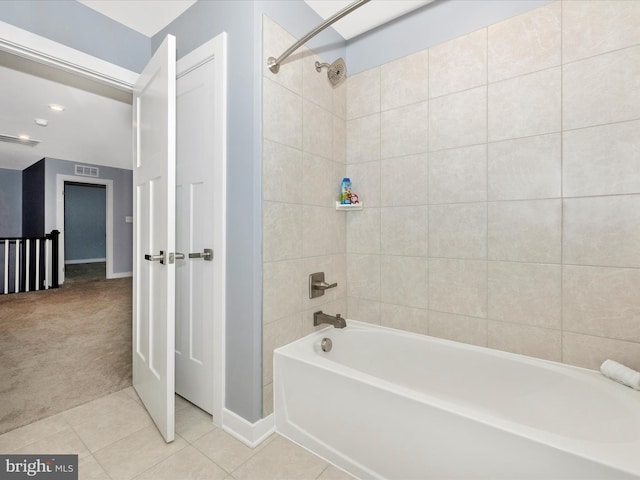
(87, 171)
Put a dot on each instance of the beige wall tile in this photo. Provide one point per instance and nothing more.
(601, 89)
(365, 182)
(267, 400)
(590, 352)
(317, 130)
(403, 181)
(404, 318)
(458, 64)
(281, 172)
(321, 179)
(458, 230)
(458, 175)
(458, 328)
(458, 119)
(363, 139)
(404, 280)
(339, 140)
(602, 301)
(340, 100)
(591, 28)
(525, 168)
(405, 81)
(281, 230)
(525, 340)
(602, 231)
(363, 276)
(276, 334)
(281, 289)
(602, 160)
(281, 114)
(525, 231)
(363, 310)
(525, 106)
(404, 231)
(458, 286)
(323, 231)
(316, 86)
(525, 43)
(526, 293)
(363, 93)
(363, 231)
(277, 39)
(403, 131)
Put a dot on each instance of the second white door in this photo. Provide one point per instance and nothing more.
(195, 197)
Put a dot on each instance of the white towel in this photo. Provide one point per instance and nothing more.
(621, 374)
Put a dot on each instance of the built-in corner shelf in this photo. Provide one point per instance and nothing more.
(349, 207)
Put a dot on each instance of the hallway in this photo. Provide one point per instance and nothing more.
(63, 347)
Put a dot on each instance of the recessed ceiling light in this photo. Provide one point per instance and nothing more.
(42, 122)
(56, 108)
(24, 137)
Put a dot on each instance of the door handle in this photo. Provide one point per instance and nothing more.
(179, 256)
(206, 255)
(155, 258)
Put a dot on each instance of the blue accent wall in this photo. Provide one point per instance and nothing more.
(78, 26)
(84, 222)
(10, 203)
(122, 206)
(33, 200)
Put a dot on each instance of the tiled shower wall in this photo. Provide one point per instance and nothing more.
(304, 159)
(500, 174)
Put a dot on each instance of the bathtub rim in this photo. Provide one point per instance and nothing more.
(605, 453)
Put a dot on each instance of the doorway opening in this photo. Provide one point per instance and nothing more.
(85, 221)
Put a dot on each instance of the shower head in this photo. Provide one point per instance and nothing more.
(337, 70)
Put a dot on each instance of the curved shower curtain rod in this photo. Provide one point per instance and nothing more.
(274, 64)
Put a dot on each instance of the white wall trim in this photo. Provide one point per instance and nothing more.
(216, 50)
(251, 434)
(47, 52)
(60, 179)
(121, 275)
(85, 260)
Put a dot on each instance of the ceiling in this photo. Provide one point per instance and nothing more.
(144, 16)
(95, 127)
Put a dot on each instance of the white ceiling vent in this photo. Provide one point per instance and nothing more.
(87, 171)
(22, 141)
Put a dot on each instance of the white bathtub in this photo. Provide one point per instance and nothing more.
(388, 404)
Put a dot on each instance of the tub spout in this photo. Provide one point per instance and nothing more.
(319, 318)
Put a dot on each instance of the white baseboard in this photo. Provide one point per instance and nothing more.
(86, 260)
(120, 275)
(251, 434)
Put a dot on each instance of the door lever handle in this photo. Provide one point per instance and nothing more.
(179, 256)
(206, 255)
(155, 258)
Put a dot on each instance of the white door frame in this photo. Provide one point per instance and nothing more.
(42, 50)
(216, 50)
(60, 180)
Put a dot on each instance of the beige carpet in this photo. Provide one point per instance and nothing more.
(61, 348)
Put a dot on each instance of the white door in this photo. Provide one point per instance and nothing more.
(154, 117)
(195, 199)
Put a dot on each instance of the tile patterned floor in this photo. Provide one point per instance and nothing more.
(116, 440)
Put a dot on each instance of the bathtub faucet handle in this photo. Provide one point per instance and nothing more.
(317, 285)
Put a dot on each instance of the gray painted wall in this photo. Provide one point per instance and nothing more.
(84, 222)
(430, 25)
(10, 203)
(243, 23)
(78, 26)
(33, 200)
(122, 206)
